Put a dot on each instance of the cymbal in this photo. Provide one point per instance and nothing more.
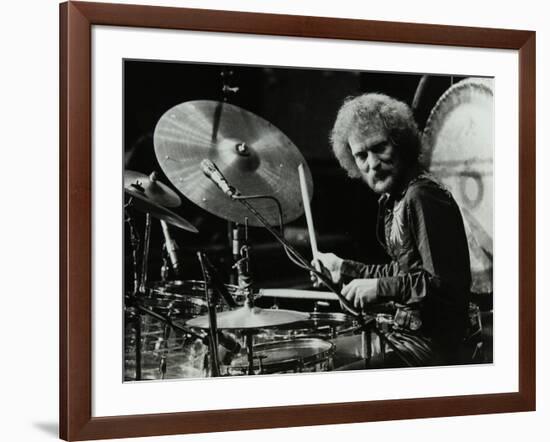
(254, 156)
(458, 145)
(144, 204)
(250, 318)
(152, 188)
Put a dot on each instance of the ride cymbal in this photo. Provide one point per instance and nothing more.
(254, 156)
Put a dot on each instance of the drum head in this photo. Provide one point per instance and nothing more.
(458, 143)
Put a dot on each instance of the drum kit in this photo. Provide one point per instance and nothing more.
(241, 168)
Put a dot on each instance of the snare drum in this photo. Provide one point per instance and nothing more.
(288, 356)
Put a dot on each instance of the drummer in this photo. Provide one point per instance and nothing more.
(426, 284)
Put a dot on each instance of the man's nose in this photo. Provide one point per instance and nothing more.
(373, 161)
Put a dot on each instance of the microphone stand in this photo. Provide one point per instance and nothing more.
(302, 261)
(366, 325)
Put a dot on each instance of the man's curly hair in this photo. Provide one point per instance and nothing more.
(364, 111)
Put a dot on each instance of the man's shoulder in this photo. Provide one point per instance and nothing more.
(426, 186)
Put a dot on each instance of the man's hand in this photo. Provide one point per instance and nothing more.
(327, 263)
(360, 292)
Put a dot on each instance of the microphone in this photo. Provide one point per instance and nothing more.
(171, 248)
(212, 172)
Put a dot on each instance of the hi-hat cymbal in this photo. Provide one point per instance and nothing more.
(144, 203)
(152, 188)
(253, 155)
(250, 318)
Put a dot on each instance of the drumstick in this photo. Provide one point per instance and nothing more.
(309, 217)
(297, 294)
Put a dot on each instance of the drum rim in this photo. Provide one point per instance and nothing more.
(335, 316)
(192, 283)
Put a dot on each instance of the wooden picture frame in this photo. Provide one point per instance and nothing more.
(76, 20)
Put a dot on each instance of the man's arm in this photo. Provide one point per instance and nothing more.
(344, 270)
(353, 269)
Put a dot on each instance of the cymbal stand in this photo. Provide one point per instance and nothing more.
(234, 235)
(227, 89)
(145, 254)
(134, 243)
(165, 337)
(135, 315)
(142, 289)
(241, 255)
(249, 339)
(137, 187)
(211, 301)
(233, 229)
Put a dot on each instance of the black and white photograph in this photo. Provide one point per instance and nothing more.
(282, 220)
(236, 220)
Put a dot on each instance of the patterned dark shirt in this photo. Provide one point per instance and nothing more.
(422, 230)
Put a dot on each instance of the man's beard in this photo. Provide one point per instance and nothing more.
(380, 183)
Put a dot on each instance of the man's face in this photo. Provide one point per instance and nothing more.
(376, 158)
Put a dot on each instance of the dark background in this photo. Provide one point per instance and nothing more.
(303, 104)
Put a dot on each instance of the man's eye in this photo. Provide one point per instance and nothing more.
(380, 148)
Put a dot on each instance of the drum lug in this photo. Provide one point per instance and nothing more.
(162, 367)
(260, 364)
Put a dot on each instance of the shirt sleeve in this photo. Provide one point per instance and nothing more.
(353, 269)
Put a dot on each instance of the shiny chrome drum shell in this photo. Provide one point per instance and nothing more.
(183, 298)
(286, 356)
(324, 325)
(182, 355)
